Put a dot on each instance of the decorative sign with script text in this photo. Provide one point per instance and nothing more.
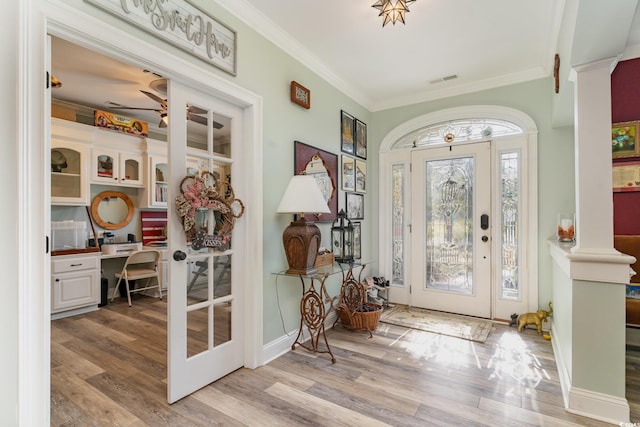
(182, 24)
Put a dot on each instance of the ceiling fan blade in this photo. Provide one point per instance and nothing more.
(133, 108)
(196, 110)
(156, 98)
(197, 119)
(203, 121)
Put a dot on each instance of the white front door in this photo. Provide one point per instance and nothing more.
(451, 229)
(205, 317)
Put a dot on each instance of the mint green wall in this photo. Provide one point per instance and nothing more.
(267, 71)
(555, 154)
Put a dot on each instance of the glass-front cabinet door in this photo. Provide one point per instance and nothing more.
(69, 184)
(111, 167)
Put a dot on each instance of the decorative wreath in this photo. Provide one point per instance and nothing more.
(207, 191)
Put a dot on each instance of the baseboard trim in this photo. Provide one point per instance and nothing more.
(603, 407)
(599, 406)
(282, 345)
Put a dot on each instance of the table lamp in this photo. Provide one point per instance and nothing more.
(301, 239)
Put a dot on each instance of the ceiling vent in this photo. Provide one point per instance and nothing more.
(444, 79)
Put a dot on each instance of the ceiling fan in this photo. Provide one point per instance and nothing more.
(192, 111)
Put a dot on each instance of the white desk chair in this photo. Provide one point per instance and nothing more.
(139, 265)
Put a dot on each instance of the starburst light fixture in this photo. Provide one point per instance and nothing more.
(392, 11)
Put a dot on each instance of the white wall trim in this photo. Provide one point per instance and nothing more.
(388, 155)
(40, 17)
(603, 407)
(605, 266)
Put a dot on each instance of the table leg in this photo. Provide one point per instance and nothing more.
(313, 315)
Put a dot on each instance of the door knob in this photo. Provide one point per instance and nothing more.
(179, 255)
(485, 238)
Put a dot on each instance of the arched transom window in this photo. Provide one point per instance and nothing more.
(457, 131)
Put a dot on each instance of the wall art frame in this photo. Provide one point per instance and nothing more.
(300, 95)
(311, 160)
(361, 176)
(361, 139)
(347, 132)
(348, 173)
(624, 139)
(357, 240)
(354, 203)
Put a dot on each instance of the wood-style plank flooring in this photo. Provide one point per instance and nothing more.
(109, 368)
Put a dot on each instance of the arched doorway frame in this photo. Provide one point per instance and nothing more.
(390, 156)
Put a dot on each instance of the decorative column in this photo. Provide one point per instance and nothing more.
(592, 121)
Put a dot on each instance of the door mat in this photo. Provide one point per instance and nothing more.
(453, 325)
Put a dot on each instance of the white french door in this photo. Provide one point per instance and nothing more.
(451, 229)
(205, 299)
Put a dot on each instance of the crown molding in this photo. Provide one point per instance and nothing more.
(256, 20)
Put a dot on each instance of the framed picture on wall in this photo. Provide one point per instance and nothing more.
(361, 176)
(348, 173)
(361, 139)
(624, 139)
(357, 240)
(323, 166)
(355, 205)
(347, 132)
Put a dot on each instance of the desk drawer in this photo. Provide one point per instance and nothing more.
(74, 264)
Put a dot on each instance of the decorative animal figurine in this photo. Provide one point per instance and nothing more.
(514, 320)
(534, 319)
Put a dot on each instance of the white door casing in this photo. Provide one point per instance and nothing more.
(525, 145)
(40, 18)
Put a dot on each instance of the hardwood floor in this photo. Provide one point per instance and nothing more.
(109, 368)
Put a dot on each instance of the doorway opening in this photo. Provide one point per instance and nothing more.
(458, 225)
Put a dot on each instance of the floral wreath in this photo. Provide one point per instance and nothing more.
(207, 191)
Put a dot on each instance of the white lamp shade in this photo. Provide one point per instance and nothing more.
(303, 196)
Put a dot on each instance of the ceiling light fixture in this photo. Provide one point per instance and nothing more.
(392, 11)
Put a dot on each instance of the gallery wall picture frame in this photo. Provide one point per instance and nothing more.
(348, 173)
(323, 166)
(357, 240)
(624, 139)
(347, 132)
(361, 139)
(300, 95)
(355, 205)
(361, 176)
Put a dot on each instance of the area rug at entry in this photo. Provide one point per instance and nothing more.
(469, 328)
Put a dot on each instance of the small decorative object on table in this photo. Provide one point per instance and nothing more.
(325, 257)
(566, 227)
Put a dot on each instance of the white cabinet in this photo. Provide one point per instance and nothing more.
(155, 194)
(75, 284)
(69, 163)
(113, 167)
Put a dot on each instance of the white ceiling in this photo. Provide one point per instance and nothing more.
(486, 43)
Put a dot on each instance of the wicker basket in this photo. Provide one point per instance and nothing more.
(360, 320)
